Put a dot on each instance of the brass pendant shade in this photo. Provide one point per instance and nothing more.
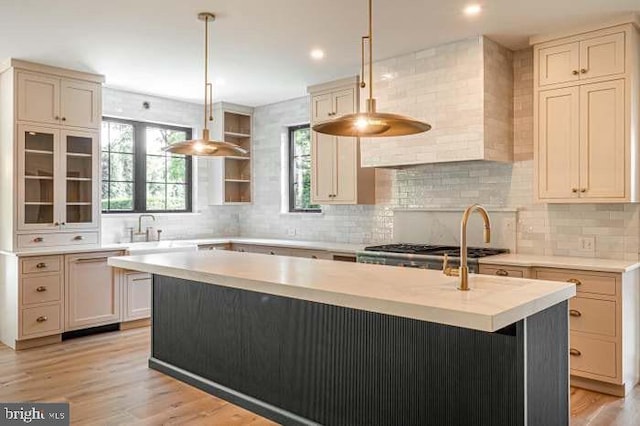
(371, 124)
(205, 147)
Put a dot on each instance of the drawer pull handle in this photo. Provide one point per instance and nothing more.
(272, 253)
(78, 238)
(574, 352)
(41, 289)
(38, 240)
(574, 281)
(502, 273)
(92, 259)
(575, 313)
(41, 265)
(314, 256)
(41, 319)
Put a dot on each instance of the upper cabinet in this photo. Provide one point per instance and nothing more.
(586, 100)
(599, 56)
(43, 98)
(336, 174)
(49, 120)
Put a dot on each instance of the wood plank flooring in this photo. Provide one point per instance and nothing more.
(106, 381)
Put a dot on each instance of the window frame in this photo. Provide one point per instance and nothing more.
(140, 167)
(292, 198)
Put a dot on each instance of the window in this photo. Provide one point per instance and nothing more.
(137, 176)
(300, 170)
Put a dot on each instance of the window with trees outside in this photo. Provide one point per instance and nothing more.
(137, 175)
(300, 170)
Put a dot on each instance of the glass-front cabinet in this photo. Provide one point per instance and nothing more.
(58, 183)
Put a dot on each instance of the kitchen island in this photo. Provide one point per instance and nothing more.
(305, 341)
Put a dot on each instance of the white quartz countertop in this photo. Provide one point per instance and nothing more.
(582, 263)
(299, 244)
(491, 304)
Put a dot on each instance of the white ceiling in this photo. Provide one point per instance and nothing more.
(260, 47)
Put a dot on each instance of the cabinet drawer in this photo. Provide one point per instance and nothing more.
(592, 282)
(41, 320)
(593, 356)
(33, 265)
(592, 316)
(41, 289)
(505, 271)
(53, 240)
(311, 254)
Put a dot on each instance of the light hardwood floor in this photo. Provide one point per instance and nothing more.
(106, 381)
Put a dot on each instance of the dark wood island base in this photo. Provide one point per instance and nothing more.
(299, 362)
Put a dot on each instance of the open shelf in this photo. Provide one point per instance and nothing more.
(237, 135)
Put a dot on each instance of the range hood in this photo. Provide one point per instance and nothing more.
(464, 88)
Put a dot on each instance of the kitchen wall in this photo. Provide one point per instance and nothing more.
(542, 229)
(206, 220)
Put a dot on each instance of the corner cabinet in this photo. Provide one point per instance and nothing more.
(230, 178)
(49, 124)
(336, 174)
(586, 137)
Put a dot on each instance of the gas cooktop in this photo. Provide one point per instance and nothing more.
(435, 250)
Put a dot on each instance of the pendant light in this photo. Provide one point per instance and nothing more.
(371, 123)
(205, 147)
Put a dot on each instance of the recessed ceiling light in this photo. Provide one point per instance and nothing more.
(317, 54)
(472, 9)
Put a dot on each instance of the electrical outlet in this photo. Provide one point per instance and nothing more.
(587, 244)
(291, 232)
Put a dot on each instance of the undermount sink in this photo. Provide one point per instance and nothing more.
(160, 247)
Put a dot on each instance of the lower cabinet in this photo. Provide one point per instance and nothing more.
(92, 290)
(137, 296)
(604, 319)
(282, 251)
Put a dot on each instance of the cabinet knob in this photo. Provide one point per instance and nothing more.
(574, 281)
(272, 253)
(41, 289)
(574, 352)
(583, 190)
(57, 117)
(575, 313)
(241, 250)
(502, 273)
(64, 118)
(314, 256)
(583, 70)
(56, 224)
(41, 319)
(574, 190)
(78, 238)
(63, 223)
(575, 72)
(41, 265)
(38, 240)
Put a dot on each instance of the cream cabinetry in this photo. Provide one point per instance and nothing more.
(586, 106)
(137, 296)
(44, 98)
(336, 174)
(58, 179)
(92, 291)
(40, 297)
(49, 124)
(603, 322)
(592, 57)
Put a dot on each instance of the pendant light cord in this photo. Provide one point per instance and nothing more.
(370, 50)
(208, 87)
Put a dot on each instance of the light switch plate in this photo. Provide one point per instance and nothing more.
(587, 244)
